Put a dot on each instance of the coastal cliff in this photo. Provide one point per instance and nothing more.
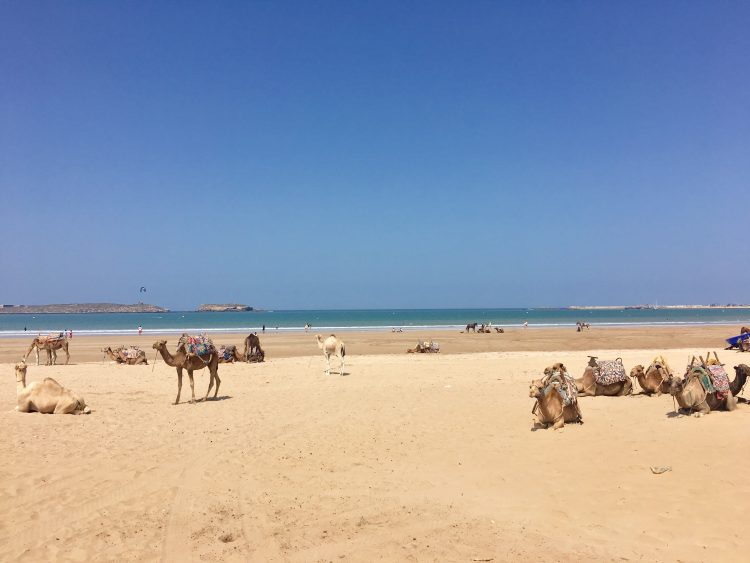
(224, 308)
(83, 308)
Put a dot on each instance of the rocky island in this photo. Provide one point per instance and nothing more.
(224, 308)
(83, 308)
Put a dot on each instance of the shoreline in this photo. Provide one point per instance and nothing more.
(366, 328)
(295, 343)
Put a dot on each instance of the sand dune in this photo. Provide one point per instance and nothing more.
(405, 458)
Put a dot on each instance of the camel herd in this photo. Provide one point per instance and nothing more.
(49, 397)
(705, 387)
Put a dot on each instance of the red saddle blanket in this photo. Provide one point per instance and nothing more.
(719, 378)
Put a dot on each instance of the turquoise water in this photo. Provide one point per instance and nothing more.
(330, 320)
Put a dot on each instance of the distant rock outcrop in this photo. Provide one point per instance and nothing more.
(224, 308)
(83, 308)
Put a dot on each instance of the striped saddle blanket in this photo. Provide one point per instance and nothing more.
(567, 389)
(608, 372)
(713, 378)
(197, 345)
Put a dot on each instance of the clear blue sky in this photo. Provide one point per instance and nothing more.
(375, 154)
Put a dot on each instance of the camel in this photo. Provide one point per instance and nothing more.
(692, 396)
(587, 385)
(332, 346)
(253, 349)
(424, 348)
(46, 396)
(181, 360)
(745, 330)
(128, 356)
(230, 354)
(653, 380)
(471, 326)
(741, 374)
(550, 406)
(499, 330)
(51, 344)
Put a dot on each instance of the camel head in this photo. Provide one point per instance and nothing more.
(159, 344)
(676, 385)
(742, 370)
(21, 371)
(536, 388)
(637, 371)
(555, 367)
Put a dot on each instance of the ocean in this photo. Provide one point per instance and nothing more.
(342, 320)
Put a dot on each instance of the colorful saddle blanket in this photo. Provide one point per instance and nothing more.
(197, 345)
(719, 378)
(567, 389)
(608, 372)
(129, 352)
(226, 353)
(50, 339)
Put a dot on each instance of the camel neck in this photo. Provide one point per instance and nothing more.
(20, 380)
(168, 358)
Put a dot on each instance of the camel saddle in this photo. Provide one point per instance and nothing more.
(567, 389)
(197, 345)
(50, 339)
(128, 352)
(225, 353)
(608, 372)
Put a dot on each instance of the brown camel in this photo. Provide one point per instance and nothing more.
(556, 402)
(46, 396)
(181, 360)
(230, 354)
(588, 386)
(745, 330)
(471, 326)
(693, 398)
(741, 373)
(252, 351)
(51, 344)
(129, 356)
(653, 380)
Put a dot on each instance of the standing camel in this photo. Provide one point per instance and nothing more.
(51, 344)
(181, 360)
(332, 346)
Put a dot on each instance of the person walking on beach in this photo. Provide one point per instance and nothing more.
(140, 330)
(70, 333)
(525, 324)
(264, 329)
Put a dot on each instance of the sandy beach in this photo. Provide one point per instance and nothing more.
(406, 458)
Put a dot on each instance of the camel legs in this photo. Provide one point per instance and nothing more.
(53, 354)
(179, 385)
(328, 362)
(192, 385)
(218, 382)
(342, 365)
(67, 355)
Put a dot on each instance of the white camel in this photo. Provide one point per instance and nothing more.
(46, 396)
(332, 346)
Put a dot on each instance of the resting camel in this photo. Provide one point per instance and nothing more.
(587, 385)
(332, 346)
(693, 399)
(116, 356)
(230, 354)
(745, 330)
(46, 396)
(741, 374)
(181, 360)
(51, 345)
(252, 348)
(653, 380)
(549, 407)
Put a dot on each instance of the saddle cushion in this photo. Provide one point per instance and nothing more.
(129, 352)
(608, 372)
(567, 389)
(197, 345)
